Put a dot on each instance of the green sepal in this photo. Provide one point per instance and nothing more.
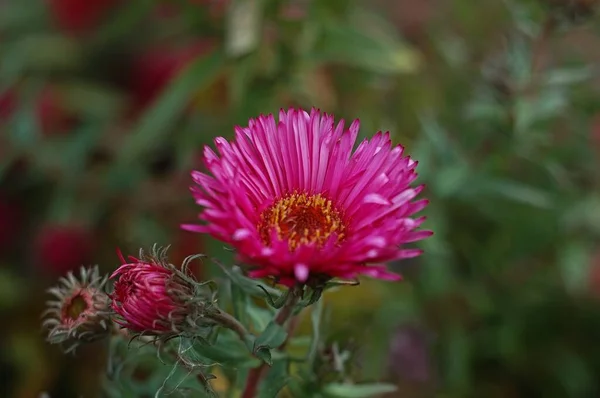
(276, 303)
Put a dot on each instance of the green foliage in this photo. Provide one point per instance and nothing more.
(357, 391)
(272, 337)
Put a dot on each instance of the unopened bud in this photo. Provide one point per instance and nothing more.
(153, 297)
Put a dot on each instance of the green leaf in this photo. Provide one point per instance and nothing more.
(20, 15)
(125, 20)
(272, 337)
(450, 180)
(92, 100)
(485, 110)
(156, 122)
(438, 138)
(43, 52)
(6, 161)
(315, 318)
(569, 76)
(227, 356)
(584, 213)
(23, 131)
(177, 380)
(276, 379)
(239, 301)
(358, 390)
(333, 283)
(457, 358)
(260, 317)
(454, 50)
(519, 61)
(9, 288)
(250, 286)
(241, 78)
(527, 15)
(227, 351)
(574, 262)
(574, 373)
(264, 354)
(518, 192)
(546, 106)
(276, 302)
(367, 42)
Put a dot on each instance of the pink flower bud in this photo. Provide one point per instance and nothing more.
(153, 297)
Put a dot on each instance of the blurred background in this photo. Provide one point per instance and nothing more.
(105, 106)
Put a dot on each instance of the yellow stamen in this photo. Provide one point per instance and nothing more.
(302, 219)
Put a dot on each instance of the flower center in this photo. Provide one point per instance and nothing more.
(75, 307)
(302, 219)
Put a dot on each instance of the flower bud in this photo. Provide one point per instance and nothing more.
(81, 313)
(153, 297)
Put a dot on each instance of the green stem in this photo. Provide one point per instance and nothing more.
(256, 374)
(228, 321)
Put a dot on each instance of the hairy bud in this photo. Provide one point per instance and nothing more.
(81, 311)
(153, 297)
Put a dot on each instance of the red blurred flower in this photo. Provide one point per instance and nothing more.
(152, 296)
(296, 203)
(79, 16)
(154, 69)
(53, 117)
(186, 244)
(8, 103)
(62, 248)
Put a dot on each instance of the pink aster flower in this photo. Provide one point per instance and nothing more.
(152, 296)
(295, 201)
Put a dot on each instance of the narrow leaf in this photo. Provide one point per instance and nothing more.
(155, 124)
(358, 390)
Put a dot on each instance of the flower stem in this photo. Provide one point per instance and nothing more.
(255, 375)
(228, 321)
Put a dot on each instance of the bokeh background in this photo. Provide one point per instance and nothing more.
(105, 106)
